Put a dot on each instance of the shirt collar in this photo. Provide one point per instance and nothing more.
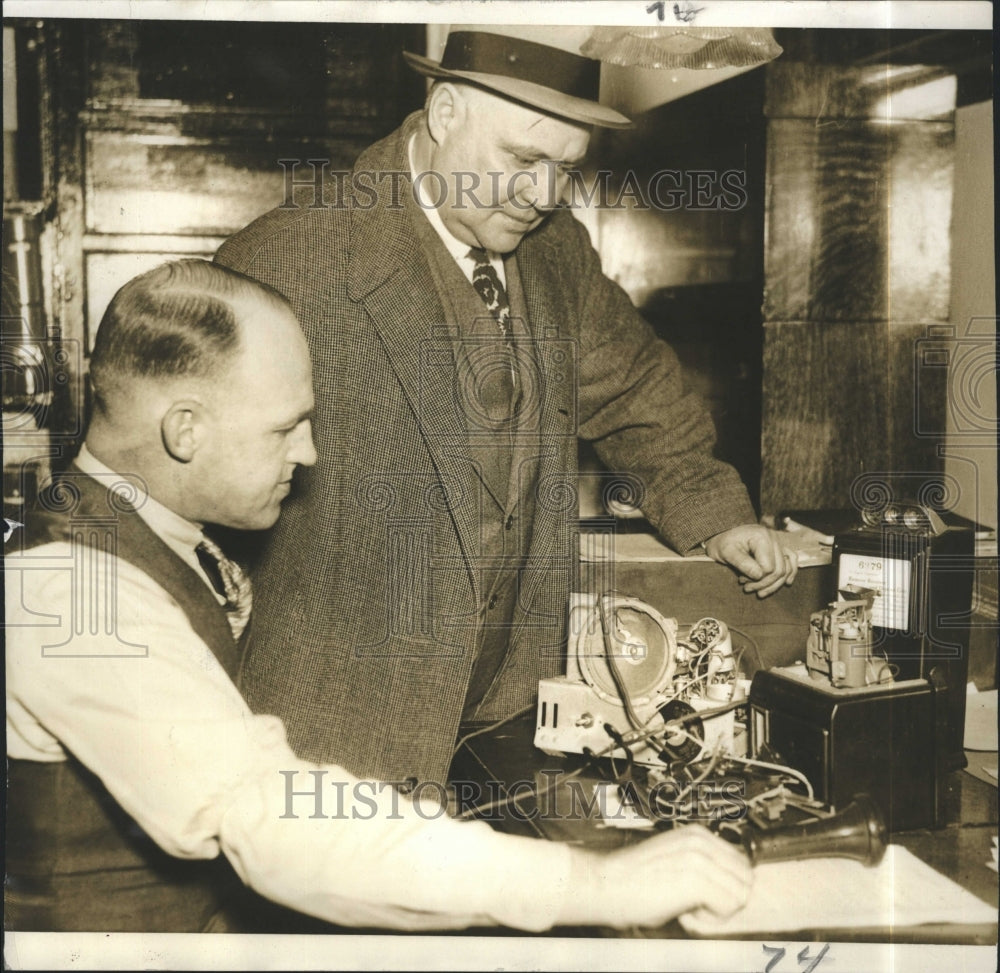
(177, 532)
(458, 249)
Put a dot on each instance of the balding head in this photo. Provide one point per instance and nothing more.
(203, 387)
(177, 321)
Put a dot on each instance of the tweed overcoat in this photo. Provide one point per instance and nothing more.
(368, 593)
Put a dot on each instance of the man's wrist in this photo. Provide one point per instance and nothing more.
(585, 899)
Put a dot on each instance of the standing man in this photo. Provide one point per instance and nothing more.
(464, 337)
(135, 767)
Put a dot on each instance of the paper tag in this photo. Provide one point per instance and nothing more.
(889, 578)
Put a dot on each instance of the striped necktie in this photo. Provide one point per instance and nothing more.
(230, 581)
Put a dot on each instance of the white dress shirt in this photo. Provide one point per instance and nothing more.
(103, 663)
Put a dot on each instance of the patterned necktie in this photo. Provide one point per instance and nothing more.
(230, 580)
(490, 288)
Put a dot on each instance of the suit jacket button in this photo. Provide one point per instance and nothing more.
(510, 521)
(492, 602)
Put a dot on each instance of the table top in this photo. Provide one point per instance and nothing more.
(504, 760)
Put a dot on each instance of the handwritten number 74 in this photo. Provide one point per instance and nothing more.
(778, 953)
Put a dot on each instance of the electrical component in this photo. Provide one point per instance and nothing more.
(638, 686)
(839, 647)
(920, 561)
(714, 638)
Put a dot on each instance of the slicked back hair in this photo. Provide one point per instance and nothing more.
(176, 320)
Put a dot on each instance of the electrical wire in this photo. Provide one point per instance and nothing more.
(738, 661)
(753, 643)
(491, 726)
(698, 663)
(616, 675)
(701, 677)
(534, 791)
(670, 726)
(641, 730)
(697, 780)
(631, 738)
(627, 738)
(780, 768)
(706, 714)
(621, 744)
(614, 767)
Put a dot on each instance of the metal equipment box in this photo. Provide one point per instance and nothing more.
(881, 740)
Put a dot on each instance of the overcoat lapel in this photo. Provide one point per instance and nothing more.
(389, 274)
(555, 354)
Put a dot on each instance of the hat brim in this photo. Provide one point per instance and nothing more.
(528, 93)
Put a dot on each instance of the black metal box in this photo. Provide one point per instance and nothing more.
(880, 740)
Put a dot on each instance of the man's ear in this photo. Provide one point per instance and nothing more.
(444, 108)
(182, 430)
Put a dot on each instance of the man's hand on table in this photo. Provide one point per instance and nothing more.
(656, 880)
(758, 554)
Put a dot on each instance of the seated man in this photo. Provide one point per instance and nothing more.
(133, 759)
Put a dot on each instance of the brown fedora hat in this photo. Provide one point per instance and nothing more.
(531, 65)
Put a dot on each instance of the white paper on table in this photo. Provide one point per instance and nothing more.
(842, 893)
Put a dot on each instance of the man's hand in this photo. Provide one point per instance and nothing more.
(759, 556)
(658, 879)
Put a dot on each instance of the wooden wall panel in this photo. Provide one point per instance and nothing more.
(918, 396)
(165, 184)
(860, 170)
(858, 220)
(825, 412)
(170, 135)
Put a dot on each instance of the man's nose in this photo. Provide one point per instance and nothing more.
(303, 450)
(545, 190)
(537, 189)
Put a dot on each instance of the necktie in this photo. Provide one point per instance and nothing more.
(498, 387)
(230, 580)
(490, 288)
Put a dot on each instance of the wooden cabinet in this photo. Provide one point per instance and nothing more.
(161, 138)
